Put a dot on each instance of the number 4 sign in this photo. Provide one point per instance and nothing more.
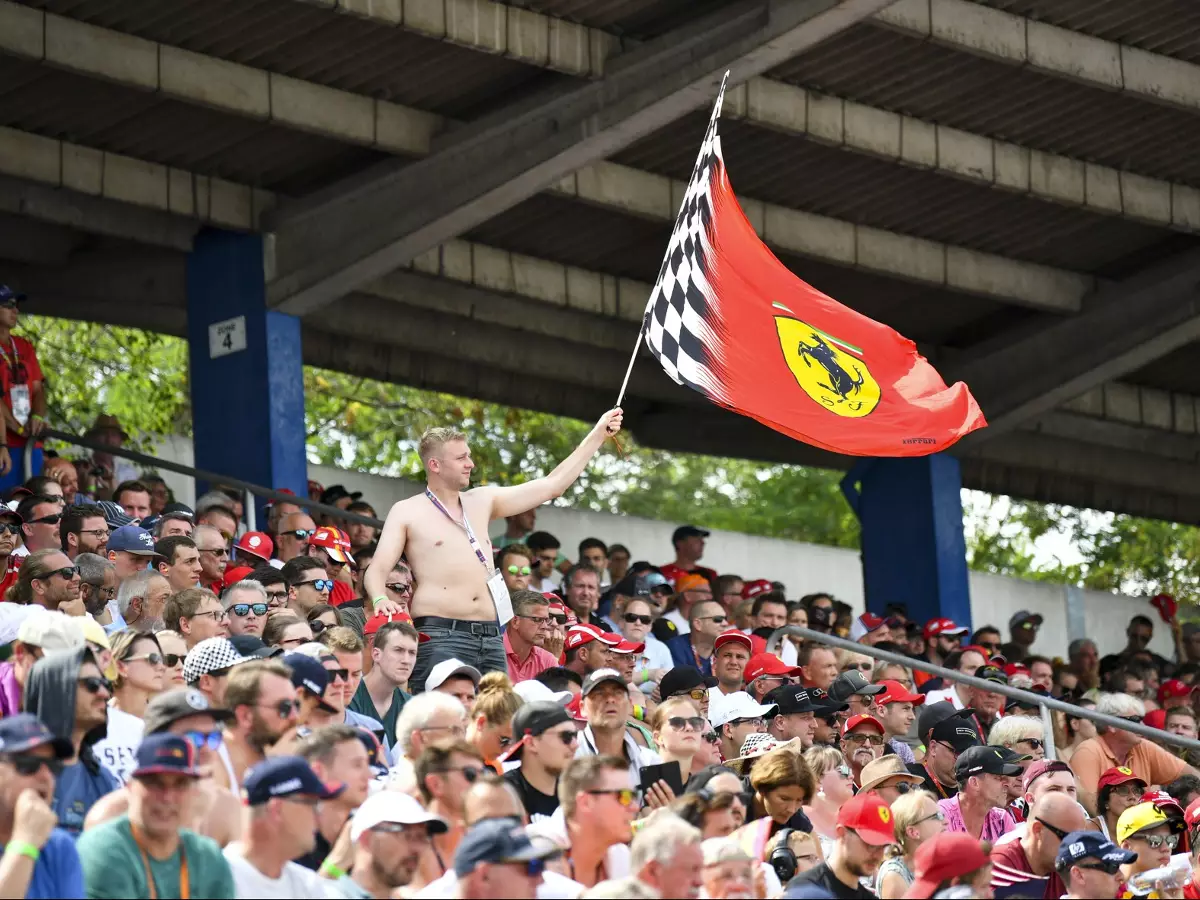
(226, 337)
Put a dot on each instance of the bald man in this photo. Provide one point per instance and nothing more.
(1026, 867)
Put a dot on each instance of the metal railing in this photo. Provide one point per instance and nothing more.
(1045, 704)
(154, 462)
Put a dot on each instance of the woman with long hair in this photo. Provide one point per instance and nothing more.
(835, 787)
(323, 616)
(491, 717)
(141, 675)
(678, 731)
(917, 819)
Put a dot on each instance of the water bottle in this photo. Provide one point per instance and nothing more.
(1171, 877)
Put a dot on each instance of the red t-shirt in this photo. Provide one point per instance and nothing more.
(1190, 891)
(341, 593)
(24, 369)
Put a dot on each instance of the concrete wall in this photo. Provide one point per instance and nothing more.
(804, 568)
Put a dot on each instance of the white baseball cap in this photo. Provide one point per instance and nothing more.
(52, 631)
(533, 691)
(448, 668)
(738, 705)
(393, 807)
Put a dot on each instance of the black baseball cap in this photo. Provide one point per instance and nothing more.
(309, 674)
(790, 699)
(957, 731)
(983, 760)
(687, 531)
(683, 678)
(335, 492)
(931, 714)
(991, 673)
(826, 706)
(166, 709)
(534, 719)
(853, 682)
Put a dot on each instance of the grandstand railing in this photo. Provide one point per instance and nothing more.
(1044, 704)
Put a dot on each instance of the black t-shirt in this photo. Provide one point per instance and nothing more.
(941, 791)
(823, 876)
(316, 856)
(537, 804)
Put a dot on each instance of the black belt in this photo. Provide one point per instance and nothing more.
(486, 629)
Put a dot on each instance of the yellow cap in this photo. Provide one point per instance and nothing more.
(93, 633)
(1139, 818)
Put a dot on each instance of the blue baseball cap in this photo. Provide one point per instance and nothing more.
(166, 754)
(309, 674)
(496, 841)
(25, 731)
(114, 516)
(1080, 845)
(131, 539)
(7, 295)
(283, 777)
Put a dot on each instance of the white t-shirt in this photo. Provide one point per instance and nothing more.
(680, 622)
(948, 694)
(118, 751)
(553, 887)
(294, 881)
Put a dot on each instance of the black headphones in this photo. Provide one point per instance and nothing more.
(783, 860)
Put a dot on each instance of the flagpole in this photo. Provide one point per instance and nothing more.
(632, 359)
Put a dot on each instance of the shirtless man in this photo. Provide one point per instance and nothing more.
(452, 602)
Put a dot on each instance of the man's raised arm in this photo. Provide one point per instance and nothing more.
(388, 551)
(519, 498)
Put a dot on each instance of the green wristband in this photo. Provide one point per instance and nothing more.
(23, 848)
(328, 868)
(376, 601)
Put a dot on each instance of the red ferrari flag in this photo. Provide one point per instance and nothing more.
(728, 319)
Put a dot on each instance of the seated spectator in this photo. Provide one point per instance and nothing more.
(678, 732)
(390, 834)
(456, 678)
(337, 757)
(1089, 864)
(515, 563)
(141, 675)
(729, 871)
(246, 607)
(323, 616)
(633, 619)
(888, 777)
(916, 820)
(525, 635)
(706, 621)
(384, 689)
(1021, 734)
(1149, 832)
(765, 672)
(862, 743)
(864, 831)
(606, 707)
(37, 635)
(1026, 867)
(599, 801)
(490, 730)
(148, 852)
(196, 614)
(735, 717)
(783, 784)
(141, 600)
(665, 855)
(443, 775)
(686, 681)
(896, 707)
(177, 560)
(979, 807)
(818, 665)
(546, 739)
(794, 717)
(949, 863)
(497, 859)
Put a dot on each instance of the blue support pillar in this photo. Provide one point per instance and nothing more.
(246, 371)
(913, 547)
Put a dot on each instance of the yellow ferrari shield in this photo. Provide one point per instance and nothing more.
(829, 370)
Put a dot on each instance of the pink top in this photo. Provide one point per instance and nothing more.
(537, 662)
(997, 822)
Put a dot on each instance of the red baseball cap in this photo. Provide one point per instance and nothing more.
(1166, 606)
(628, 647)
(987, 657)
(935, 627)
(1192, 817)
(333, 540)
(1118, 775)
(870, 818)
(1016, 669)
(1156, 718)
(752, 589)
(234, 574)
(578, 635)
(376, 622)
(768, 664)
(256, 543)
(945, 856)
(733, 636)
(1173, 689)
(854, 721)
(1042, 767)
(895, 692)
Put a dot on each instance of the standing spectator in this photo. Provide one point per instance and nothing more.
(545, 741)
(688, 541)
(517, 528)
(599, 802)
(68, 692)
(141, 600)
(178, 562)
(524, 636)
(515, 563)
(731, 654)
(1084, 663)
(24, 407)
(246, 607)
(1089, 864)
(581, 590)
(1023, 628)
(384, 689)
(864, 830)
(695, 648)
(361, 534)
(594, 552)
(1026, 868)
(39, 859)
(391, 832)
(979, 807)
(140, 676)
(148, 853)
(196, 614)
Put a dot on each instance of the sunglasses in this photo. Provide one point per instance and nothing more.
(93, 684)
(1057, 832)
(712, 737)
(9, 528)
(631, 618)
(694, 693)
(172, 659)
(470, 773)
(1105, 868)
(299, 533)
(939, 815)
(320, 584)
(990, 646)
(215, 551)
(319, 625)
(568, 737)
(1154, 841)
(862, 667)
(284, 708)
(681, 722)
(27, 764)
(716, 620)
(520, 570)
(52, 519)
(243, 609)
(875, 740)
(399, 588)
(67, 572)
(1034, 743)
(201, 739)
(338, 674)
(559, 620)
(155, 659)
(627, 797)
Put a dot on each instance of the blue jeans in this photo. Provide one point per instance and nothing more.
(484, 653)
(18, 476)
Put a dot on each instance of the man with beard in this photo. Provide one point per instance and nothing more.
(141, 599)
(864, 831)
(49, 580)
(862, 743)
(282, 797)
(98, 589)
(390, 833)
(261, 697)
(942, 637)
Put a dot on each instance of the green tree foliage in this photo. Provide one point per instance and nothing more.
(369, 426)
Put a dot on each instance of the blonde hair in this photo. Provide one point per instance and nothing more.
(907, 810)
(796, 840)
(434, 439)
(883, 666)
(661, 713)
(821, 759)
(1011, 729)
(497, 702)
(340, 639)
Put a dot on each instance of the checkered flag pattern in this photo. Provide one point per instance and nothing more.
(677, 321)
